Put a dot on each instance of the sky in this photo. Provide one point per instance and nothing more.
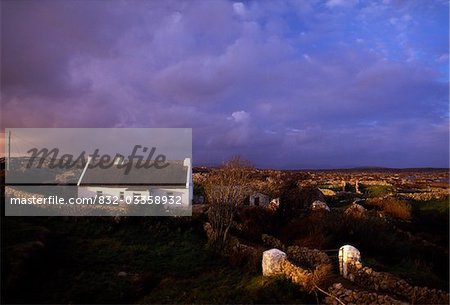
(172, 143)
(283, 84)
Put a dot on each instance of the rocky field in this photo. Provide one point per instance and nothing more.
(397, 219)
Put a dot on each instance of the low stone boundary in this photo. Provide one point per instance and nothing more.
(273, 242)
(383, 282)
(275, 263)
(313, 257)
(297, 275)
(349, 297)
(386, 282)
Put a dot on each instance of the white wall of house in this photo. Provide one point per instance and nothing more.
(183, 192)
(91, 191)
(259, 199)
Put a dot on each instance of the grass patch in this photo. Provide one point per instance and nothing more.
(392, 206)
(372, 191)
(431, 220)
(414, 271)
(165, 261)
(224, 285)
(436, 206)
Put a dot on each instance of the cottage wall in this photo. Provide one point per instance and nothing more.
(91, 191)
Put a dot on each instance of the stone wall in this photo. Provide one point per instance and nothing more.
(380, 287)
(297, 275)
(348, 297)
(433, 193)
(275, 263)
(312, 257)
(273, 242)
(386, 282)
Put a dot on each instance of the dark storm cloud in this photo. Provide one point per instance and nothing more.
(286, 84)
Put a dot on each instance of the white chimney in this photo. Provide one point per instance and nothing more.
(84, 170)
(189, 184)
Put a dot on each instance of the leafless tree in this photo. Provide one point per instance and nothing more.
(226, 188)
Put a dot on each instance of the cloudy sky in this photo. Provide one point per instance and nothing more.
(285, 84)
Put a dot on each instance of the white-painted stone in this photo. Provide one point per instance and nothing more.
(347, 254)
(272, 262)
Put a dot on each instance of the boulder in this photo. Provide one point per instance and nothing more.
(356, 211)
(319, 206)
(272, 262)
(274, 204)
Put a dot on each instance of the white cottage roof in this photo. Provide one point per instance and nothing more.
(174, 174)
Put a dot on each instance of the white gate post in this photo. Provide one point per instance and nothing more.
(347, 254)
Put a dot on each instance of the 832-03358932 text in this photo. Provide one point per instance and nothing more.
(101, 200)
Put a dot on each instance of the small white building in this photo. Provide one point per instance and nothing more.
(259, 199)
(173, 180)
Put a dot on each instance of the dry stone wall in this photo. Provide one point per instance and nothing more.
(297, 275)
(386, 282)
(313, 257)
(377, 287)
(349, 297)
(273, 242)
(275, 263)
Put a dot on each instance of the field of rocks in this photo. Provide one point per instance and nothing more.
(282, 246)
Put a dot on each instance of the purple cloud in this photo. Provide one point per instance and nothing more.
(285, 84)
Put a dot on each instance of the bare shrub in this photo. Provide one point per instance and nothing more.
(308, 231)
(226, 189)
(314, 240)
(321, 274)
(254, 222)
(393, 207)
(295, 200)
